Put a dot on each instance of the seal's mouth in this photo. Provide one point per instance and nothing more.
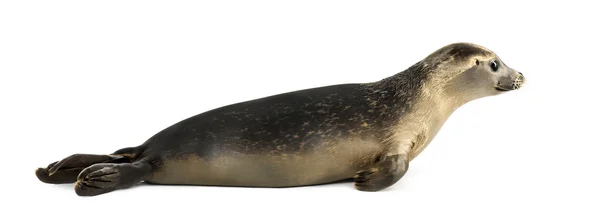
(514, 85)
(498, 88)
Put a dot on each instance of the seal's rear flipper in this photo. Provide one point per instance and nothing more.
(106, 177)
(66, 170)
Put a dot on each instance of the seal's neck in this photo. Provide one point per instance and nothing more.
(461, 90)
(419, 88)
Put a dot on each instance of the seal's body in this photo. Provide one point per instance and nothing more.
(368, 132)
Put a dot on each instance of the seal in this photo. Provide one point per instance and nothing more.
(367, 132)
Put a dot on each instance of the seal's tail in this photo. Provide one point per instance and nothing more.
(67, 169)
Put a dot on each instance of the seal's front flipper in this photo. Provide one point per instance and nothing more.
(66, 170)
(384, 173)
(106, 177)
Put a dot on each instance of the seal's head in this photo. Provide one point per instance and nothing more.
(467, 71)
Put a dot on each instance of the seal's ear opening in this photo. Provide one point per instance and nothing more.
(476, 62)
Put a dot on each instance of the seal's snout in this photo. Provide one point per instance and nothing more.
(510, 82)
(518, 82)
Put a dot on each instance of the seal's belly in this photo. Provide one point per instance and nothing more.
(267, 170)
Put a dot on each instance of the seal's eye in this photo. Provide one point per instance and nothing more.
(494, 66)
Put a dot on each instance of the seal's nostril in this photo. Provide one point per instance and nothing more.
(520, 73)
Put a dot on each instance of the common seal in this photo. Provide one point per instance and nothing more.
(368, 132)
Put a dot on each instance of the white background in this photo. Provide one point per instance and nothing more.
(96, 76)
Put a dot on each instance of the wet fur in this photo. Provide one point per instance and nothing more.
(305, 137)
